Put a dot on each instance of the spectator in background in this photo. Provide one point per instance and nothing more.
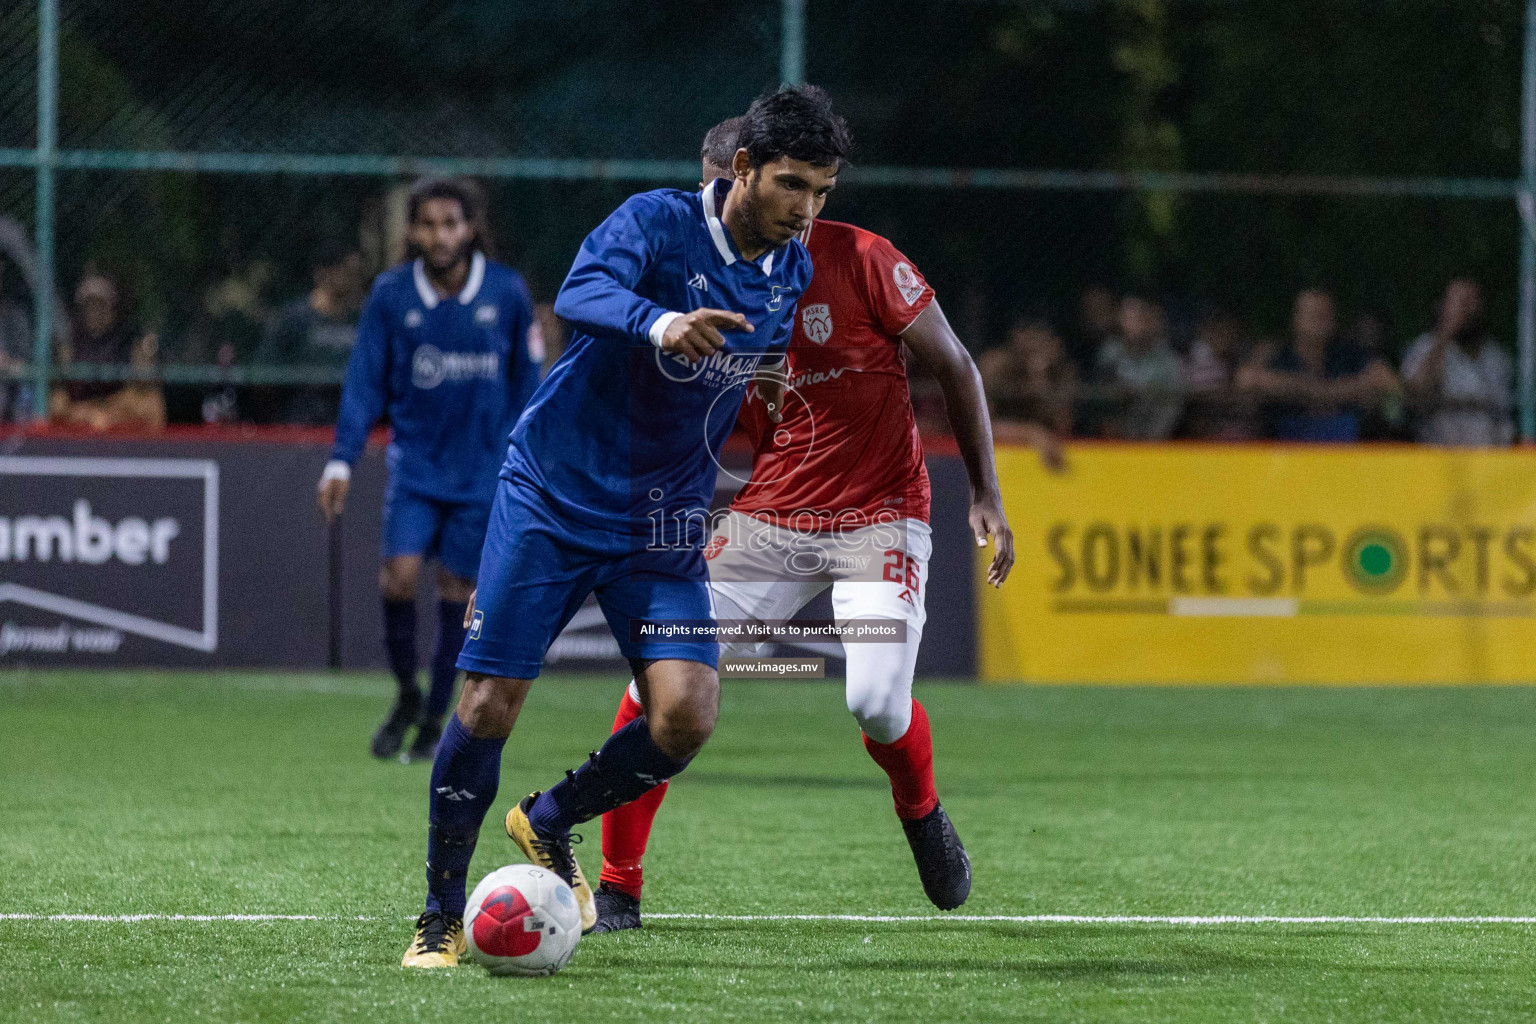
(227, 332)
(1371, 332)
(15, 351)
(1458, 376)
(1217, 411)
(317, 332)
(1031, 387)
(1096, 321)
(1318, 387)
(104, 333)
(1141, 374)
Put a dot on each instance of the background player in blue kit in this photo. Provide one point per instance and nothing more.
(449, 350)
(676, 300)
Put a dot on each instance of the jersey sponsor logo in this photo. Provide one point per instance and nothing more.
(699, 281)
(907, 282)
(774, 303)
(816, 319)
(820, 376)
(413, 319)
(793, 383)
(431, 366)
(718, 372)
(475, 624)
(485, 315)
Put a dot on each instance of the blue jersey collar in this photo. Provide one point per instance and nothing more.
(428, 294)
(724, 244)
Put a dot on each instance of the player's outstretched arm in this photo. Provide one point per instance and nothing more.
(934, 342)
(598, 296)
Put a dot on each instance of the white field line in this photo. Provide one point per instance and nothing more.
(1185, 919)
(200, 918)
(275, 683)
(1113, 919)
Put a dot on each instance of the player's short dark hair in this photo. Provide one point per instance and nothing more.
(796, 122)
(721, 142)
(464, 191)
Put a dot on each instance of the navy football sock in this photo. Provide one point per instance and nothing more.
(465, 776)
(629, 765)
(445, 669)
(400, 645)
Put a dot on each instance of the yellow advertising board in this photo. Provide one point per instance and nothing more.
(1255, 564)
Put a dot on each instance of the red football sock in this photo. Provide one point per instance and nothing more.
(627, 829)
(909, 763)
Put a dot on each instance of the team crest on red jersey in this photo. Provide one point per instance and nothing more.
(817, 321)
(907, 282)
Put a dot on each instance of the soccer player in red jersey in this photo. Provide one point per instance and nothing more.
(838, 496)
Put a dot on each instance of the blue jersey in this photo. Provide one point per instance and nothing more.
(453, 374)
(620, 434)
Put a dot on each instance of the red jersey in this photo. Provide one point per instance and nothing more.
(848, 448)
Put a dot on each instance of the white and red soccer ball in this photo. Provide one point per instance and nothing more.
(522, 920)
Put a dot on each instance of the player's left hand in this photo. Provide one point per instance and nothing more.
(987, 520)
(332, 496)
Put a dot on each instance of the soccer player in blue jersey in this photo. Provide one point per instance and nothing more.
(448, 348)
(677, 299)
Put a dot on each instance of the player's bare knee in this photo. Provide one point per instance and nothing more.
(489, 705)
(682, 703)
(397, 579)
(682, 729)
(679, 736)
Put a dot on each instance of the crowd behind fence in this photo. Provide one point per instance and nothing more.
(1121, 368)
(1118, 364)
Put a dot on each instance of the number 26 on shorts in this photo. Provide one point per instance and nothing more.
(895, 563)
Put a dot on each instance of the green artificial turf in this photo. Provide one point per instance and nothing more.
(254, 794)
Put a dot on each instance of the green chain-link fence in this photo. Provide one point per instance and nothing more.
(1226, 152)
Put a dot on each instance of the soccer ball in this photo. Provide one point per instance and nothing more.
(522, 920)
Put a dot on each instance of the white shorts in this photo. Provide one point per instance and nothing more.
(762, 572)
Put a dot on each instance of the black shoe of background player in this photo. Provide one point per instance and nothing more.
(391, 735)
(617, 910)
(942, 865)
(429, 729)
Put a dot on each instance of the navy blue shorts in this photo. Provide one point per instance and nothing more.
(539, 566)
(452, 532)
